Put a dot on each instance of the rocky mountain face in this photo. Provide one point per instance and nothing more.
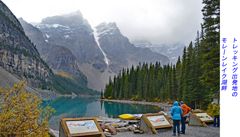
(121, 52)
(17, 54)
(144, 44)
(100, 52)
(74, 32)
(56, 56)
(9, 79)
(172, 51)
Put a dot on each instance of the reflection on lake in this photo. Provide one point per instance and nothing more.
(68, 107)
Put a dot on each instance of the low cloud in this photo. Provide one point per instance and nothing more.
(160, 21)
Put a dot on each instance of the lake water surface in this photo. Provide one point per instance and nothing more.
(68, 107)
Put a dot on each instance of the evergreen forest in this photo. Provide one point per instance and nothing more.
(193, 79)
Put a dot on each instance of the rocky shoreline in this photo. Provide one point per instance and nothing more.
(165, 106)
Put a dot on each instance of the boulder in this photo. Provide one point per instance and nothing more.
(111, 129)
(122, 129)
(131, 128)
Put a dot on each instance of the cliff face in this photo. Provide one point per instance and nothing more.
(121, 52)
(56, 56)
(172, 51)
(100, 53)
(15, 62)
(9, 79)
(74, 32)
(11, 32)
(17, 53)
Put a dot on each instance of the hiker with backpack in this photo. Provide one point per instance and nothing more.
(185, 110)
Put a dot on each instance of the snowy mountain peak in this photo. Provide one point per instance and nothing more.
(107, 29)
(73, 19)
(65, 25)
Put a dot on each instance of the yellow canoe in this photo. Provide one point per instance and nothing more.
(127, 117)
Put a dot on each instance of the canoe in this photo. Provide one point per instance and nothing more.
(127, 117)
(130, 116)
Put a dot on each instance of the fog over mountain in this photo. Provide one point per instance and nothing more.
(99, 51)
(159, 21)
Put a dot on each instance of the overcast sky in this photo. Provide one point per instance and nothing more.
(160, 21)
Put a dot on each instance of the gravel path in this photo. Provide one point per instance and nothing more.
(191, 131)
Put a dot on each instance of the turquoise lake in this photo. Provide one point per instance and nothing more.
(68, 107)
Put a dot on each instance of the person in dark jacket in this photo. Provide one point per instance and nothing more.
(176, 112)
(216, 113)
(185, 110)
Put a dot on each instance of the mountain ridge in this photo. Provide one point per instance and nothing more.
(17, 54)
(57, 57)
(20, 57)
(91, 58)
(172, 51)
(118, 48)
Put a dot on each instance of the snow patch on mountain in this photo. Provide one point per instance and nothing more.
(96, 36)
(39, 26)
(107, 29)
(66, 36)
(172, 51)
(47, 36)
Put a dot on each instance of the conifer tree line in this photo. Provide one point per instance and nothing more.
(193, 79)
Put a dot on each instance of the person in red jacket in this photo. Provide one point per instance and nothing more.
(185, 110)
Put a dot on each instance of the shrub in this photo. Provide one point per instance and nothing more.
(210, 109)
(156, 99)
(21, 114)
(133, 98)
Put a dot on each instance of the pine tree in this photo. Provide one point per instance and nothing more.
(126, 87)
(111, 87)
(174, 83)
(152, 94)
(145, 85)
(186, 68)
(200, 89)
(210, 47)
(179, 78)
(133, 81)
(170, 89)
(114, 87)
(101, 94)
(158, 84)
(116, 95)
(139, 83)
(193, 80)
(163, 84)
(122, 83)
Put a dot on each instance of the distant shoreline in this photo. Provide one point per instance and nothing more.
(164, 106)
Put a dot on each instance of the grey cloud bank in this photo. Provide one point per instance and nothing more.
(160, 21)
